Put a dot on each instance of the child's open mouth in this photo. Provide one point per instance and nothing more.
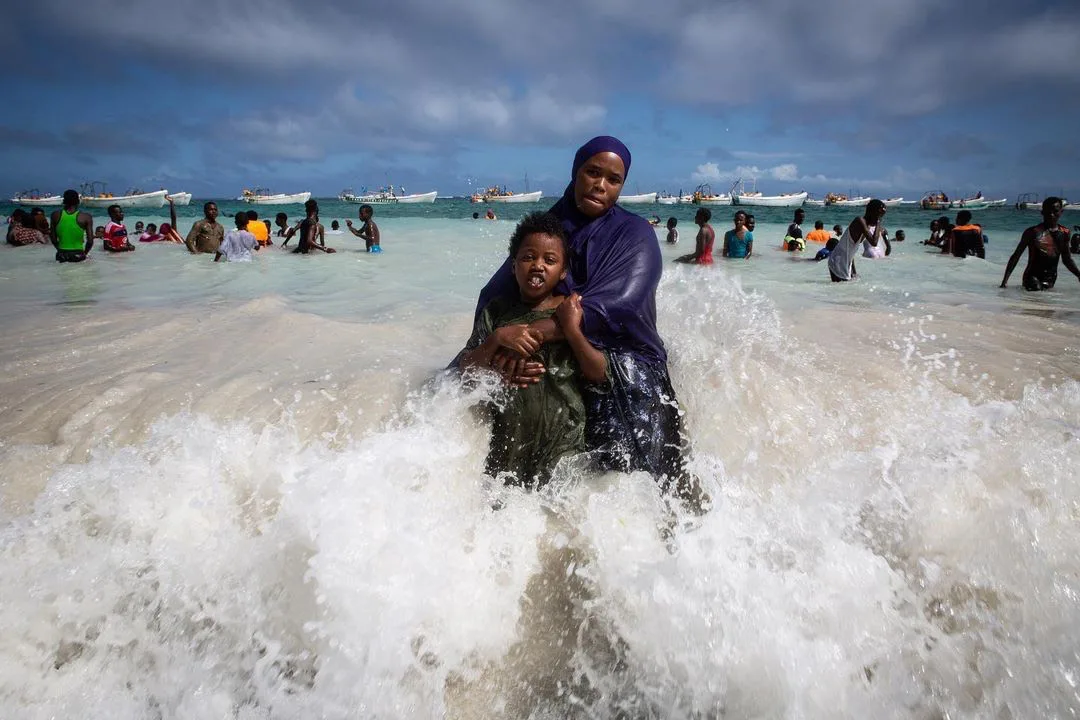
(536, 281)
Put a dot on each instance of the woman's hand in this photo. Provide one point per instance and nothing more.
(517, 371)
(520, 339)
(570, 313)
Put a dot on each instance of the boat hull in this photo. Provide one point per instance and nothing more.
(667, 200)
(642, 199)
(385, 199)
(894, 202)
(793, 200)
(293, 199)
(852, 202)
(47, 201)
(154, 199)
(522, 198)
(814, 203)
(180, 198)
(713, 200)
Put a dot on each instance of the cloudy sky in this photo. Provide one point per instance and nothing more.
(884, 97)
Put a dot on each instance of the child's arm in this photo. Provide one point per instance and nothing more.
(593, 362)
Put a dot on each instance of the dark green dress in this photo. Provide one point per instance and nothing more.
(535, 426)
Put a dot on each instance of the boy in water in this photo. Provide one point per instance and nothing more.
(1046, 243)
(116, 234)
(793, 239)
(739, 242)
(540, 423)
(672, 231)
(369, 231)
(703, 243)
(238, 244)
(310, 237)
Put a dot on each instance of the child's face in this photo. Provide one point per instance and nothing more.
(539, 265)
(99, 232)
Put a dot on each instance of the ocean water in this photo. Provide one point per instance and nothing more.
(247, 491)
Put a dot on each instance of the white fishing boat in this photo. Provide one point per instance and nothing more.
(386, 196)
(894, 202)
(642, 199)
(94, 195)
(180, 198)
(853, 202)
(976, 202)
(262, 196)
(756, 199)
(997, 203)
(813, 202)
(35, 198)
(669, 199)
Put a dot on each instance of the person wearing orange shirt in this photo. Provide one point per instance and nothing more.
(819, 234)
(258, 229)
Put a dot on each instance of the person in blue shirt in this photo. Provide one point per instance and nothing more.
(739, 242)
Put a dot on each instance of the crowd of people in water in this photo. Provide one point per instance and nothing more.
(569, 319)
(72, 233)
(866, 236)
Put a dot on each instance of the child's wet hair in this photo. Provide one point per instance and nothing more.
(543, 223)
(672, 222)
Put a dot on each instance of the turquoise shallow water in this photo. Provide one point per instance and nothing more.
(242, 490)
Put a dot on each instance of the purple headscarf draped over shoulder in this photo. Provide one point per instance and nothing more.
(615, 266)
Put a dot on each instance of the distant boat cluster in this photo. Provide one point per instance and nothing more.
(93, 195)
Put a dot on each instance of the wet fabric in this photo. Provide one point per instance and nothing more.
(615, 266)
(205, 237)
(70, 256)
(968, 240)
(635, 424)
(738, 247)
(532, 427)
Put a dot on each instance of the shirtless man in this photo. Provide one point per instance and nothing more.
(1046, 243)
(369, 230)
(72, 231)
(206, 235)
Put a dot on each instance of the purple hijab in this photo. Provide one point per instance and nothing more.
(615, 266)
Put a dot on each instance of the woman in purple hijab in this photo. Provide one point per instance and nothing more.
(615, 266)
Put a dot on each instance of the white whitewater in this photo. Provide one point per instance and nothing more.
(245, 491)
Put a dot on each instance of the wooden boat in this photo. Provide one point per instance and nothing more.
(704, 195)
(642, 199)
(180, 198)
(894, 202)
(501, 195)
(934, 201)
(669, 199)
(35, 198)
(262, 196)
(1029, 201)
(94, 195)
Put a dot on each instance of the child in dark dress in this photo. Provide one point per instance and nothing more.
(536, 425)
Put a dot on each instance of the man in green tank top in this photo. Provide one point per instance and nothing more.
(72, 231)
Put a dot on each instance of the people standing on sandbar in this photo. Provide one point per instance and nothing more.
(703, 243)
(869, 228)
(206, 234)
(369, 231)
(72, 230)
(309, 233)
(1046, 243)
(739, 241)
(116, 234)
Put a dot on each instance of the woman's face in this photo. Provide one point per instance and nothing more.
(598, 184)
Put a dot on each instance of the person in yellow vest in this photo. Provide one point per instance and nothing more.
(258, 228)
